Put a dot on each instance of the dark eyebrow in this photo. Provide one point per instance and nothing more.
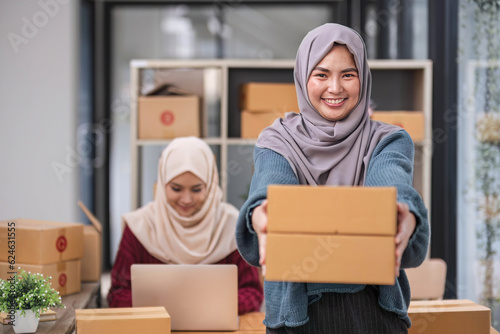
(322, 69)
(352, 69)
(179, 186)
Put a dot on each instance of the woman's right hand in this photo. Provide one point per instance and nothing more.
(259, 224)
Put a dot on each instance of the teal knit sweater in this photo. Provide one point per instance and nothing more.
(391, 164)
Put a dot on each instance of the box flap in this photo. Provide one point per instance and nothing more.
(91, 217)
(167, 89)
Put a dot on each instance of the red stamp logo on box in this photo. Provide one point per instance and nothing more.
(61, 243)
(62, 279)
(167, 117)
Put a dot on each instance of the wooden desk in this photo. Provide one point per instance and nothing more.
(88, 297)
(250, 323)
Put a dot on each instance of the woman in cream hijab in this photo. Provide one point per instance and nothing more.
(332, 141)
(187, 223)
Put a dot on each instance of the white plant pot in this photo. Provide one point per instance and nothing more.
(25, 324)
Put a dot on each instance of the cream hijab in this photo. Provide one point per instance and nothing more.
(322, 151)
(205, 237)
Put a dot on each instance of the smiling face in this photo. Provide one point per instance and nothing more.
(186, 193)
(333, 86)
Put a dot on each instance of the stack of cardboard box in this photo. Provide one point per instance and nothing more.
(53, 249)
(70, 253)
(261, 103)
(331, 234)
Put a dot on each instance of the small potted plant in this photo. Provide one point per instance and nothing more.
(24, 297)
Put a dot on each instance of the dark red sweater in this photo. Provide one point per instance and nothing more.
(131, 251)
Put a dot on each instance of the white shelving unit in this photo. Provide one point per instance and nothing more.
(397, 85)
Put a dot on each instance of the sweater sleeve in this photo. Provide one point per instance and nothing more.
(250, 293)
(270, 168)
(391, 164)
(130, 251)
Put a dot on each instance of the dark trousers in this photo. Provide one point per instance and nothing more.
(348, 313)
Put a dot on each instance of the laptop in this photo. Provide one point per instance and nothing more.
(197, 297)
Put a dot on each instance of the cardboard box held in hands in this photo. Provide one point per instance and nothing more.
(330, 234)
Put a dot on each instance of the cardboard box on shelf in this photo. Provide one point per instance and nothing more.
(449, 316)
(166, 117)
(40, 242)
(122, 320)
(412, 121)
(252, 123)
(340, 240)
(91, 263)
(268, 97)
(65, 275)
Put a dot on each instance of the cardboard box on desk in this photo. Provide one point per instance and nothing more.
(65, 275)
(168, 112)
(40, 242)
(92, 243)
(331, 234)
(268, 97)
(449, 316)
(412, 121)
(131, 320)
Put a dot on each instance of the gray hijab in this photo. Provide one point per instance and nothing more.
(322, 151)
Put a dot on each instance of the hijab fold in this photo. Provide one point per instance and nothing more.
(322, 151)
(205, 237)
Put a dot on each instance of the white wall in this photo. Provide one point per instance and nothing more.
(38, 100)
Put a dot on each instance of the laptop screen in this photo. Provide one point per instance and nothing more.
(197, 297)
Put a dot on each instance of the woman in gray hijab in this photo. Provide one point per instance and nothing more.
(332, 141)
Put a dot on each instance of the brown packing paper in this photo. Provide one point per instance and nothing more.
(122, 320)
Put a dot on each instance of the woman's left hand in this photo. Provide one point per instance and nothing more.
(406, 226)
